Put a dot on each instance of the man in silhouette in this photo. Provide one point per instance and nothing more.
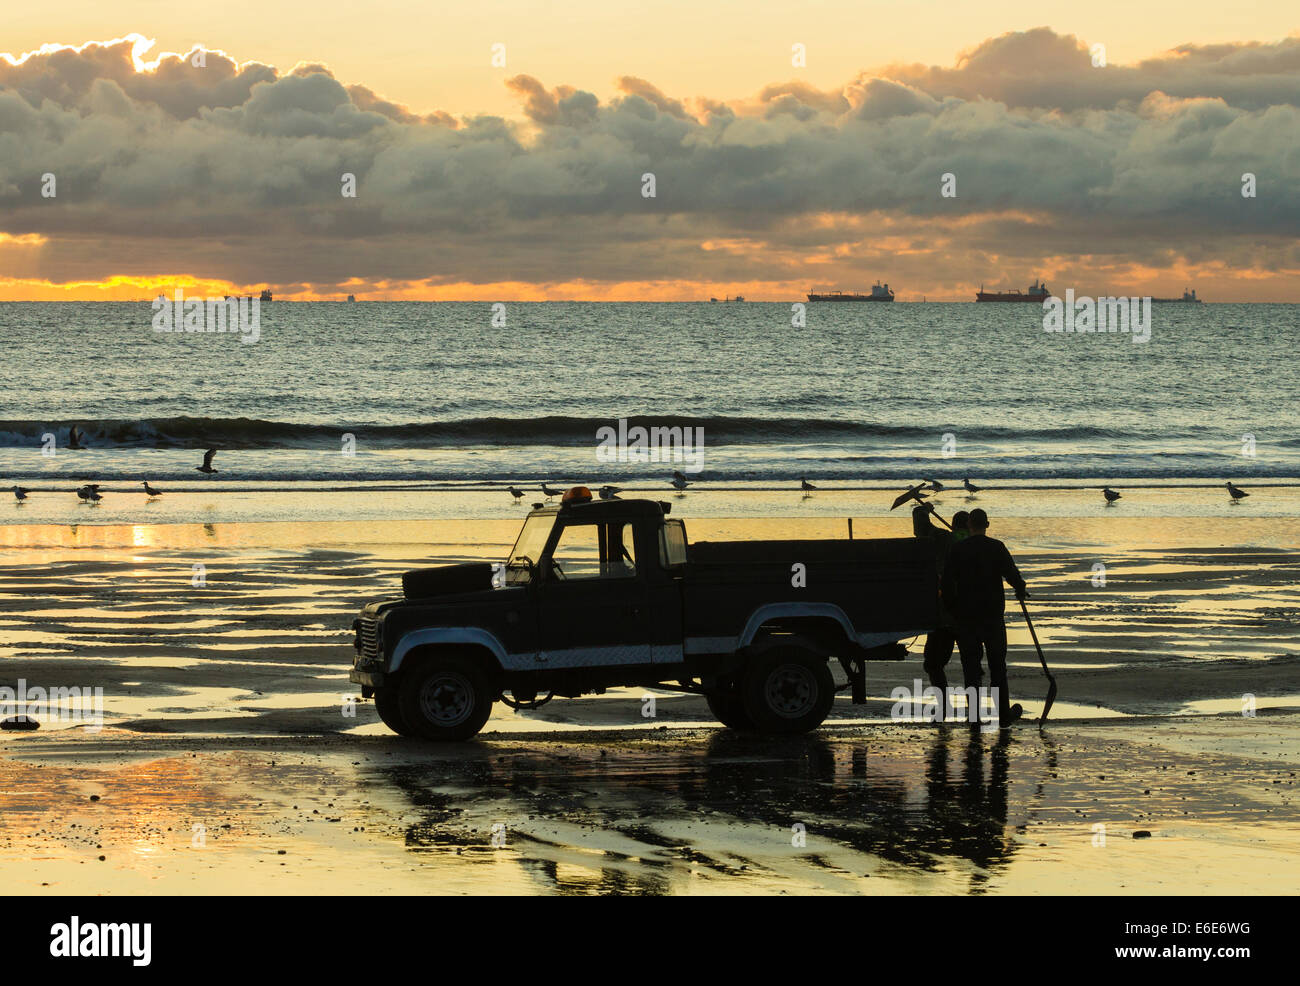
(972, 590)
(939, 642)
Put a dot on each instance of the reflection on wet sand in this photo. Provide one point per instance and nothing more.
(632, 815)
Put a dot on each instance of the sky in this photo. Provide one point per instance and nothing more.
(518, 172)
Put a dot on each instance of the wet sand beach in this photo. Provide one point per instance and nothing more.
(225, 703)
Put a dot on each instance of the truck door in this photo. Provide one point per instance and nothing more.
(593, 604)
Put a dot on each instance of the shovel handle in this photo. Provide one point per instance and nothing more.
(1038, 647)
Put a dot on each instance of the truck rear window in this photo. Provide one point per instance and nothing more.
(672, 544)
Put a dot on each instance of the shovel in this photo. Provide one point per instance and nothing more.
(1051, 688)
(913, 494)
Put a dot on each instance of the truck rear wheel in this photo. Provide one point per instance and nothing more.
(388, 703)
(787, 689)
(728, 708)
(445, 698)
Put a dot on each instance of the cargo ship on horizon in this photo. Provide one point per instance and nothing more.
(1037, 292)
(1188, 298)
(879, 292)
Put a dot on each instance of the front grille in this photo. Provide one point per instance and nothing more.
(368, 636)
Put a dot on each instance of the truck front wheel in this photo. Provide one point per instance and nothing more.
(787, 689)
(445, 698)
(728, 707)
(388, 703)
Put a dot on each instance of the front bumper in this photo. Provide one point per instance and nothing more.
(368, 680)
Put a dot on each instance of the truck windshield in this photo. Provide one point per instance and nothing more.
(528, 549)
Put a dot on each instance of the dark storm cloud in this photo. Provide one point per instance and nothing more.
(1144, 159)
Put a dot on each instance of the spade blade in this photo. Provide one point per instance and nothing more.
(912, 494)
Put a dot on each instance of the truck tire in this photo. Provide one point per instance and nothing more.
(445, 698)
(729, 708)
(388, 703)
(787, 689)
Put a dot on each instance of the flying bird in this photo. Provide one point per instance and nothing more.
(1110, 495)
(150, 491)
(207, 461)
(74, 438)
(936, 486)
(1237, 494)
(610, 492)
(550, 492)
(20, 494)
(517, 494)
(970, 487)
(806, 486)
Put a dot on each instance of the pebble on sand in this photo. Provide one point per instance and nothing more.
(20, 722)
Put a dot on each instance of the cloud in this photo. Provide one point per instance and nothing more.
(233, 171)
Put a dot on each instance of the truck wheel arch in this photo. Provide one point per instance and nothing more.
(812, 612)
(461, 639)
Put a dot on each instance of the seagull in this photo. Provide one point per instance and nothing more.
(936, 486)
(678, 474)
(207, 461)
(806, 486)
(970, 487)
(74, 438)
(610, 492)
(87, 492)
(679, 483)
(1111, 495)
(94, 497)
(550, 492)
(517, 494)
(20, 494)
(1236, 493)
(150, 491)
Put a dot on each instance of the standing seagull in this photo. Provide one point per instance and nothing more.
(679, 483)
(1110, 495)
(610, 492)
(1236, 493)
(550, 492)
(971, 488)
(517, 494)
(74, 439)
(806, 486)
(88, 492)
(20, 494)
(149, 491)
(93, 497)
(207, 461)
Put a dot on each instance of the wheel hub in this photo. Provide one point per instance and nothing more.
(791, 691)
(447, 699)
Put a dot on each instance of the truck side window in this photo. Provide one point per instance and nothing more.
(594, 551)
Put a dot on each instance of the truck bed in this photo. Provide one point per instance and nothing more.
(886, 588)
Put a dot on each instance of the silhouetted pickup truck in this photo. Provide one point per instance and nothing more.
(604, 594)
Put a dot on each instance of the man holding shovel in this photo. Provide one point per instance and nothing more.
(972, 589)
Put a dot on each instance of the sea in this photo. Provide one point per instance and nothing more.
(481, 395)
